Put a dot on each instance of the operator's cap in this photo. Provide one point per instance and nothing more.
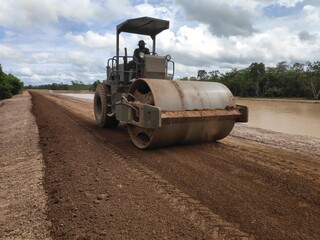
(141, 42)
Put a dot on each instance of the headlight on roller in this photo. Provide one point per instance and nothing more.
(141, 55)
(168, 57)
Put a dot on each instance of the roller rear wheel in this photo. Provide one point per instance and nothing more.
(102, 107)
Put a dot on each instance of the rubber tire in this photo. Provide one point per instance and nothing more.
(100, 108)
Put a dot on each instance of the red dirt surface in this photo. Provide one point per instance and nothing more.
(252, 184)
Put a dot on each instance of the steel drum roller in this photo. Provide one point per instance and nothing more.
(190, 112)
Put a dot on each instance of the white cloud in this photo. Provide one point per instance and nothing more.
(78, 39)
(92, 40)
(288, 3)
(35, 78)
(194, 47)
(10, 53)
(80, 59)
(43, 57)
(35, 13)
(79, 10)
(31, 12)
(284, 3)
(312, 14)
(222, 18)
(62, 40)
(25, 71)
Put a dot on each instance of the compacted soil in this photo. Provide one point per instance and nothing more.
(254, 184)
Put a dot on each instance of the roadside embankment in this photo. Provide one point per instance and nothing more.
(22, 197)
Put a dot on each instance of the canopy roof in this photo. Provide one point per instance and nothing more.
(144, 26)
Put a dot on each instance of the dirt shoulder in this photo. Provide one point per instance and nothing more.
(280, 100)
(310, 146)
(22, 197)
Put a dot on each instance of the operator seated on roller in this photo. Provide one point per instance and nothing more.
(135, 64)
(141, 48)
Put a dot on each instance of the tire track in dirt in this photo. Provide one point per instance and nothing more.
(274, 169)
(192, 209)
(231, 186)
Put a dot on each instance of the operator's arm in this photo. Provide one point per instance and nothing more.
(136, 54)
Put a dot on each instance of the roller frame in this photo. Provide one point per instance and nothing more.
(179, 112)
(139, 114)
(152, 116)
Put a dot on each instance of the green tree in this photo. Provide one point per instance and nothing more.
(79, 85)
(272, 86)
(16, 84)
(9, 85)
(257, 72)
(202, 75)
(5, 90)
(313, 77)
(95, 85)
(294, 84)
(214, 75)
(184, 79)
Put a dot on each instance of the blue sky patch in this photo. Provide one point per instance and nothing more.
(2, 33)
(72, 26)
(274, 10)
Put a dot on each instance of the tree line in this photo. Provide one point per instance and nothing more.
(9, 85)
(257, 80)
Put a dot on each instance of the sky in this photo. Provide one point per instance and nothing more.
(59, 41)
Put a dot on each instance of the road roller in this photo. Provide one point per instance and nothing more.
(158, 110)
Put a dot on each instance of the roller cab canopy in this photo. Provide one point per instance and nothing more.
(143, 26)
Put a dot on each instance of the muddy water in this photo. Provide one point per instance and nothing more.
(285, 116)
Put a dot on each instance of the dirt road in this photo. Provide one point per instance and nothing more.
(253, 184)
